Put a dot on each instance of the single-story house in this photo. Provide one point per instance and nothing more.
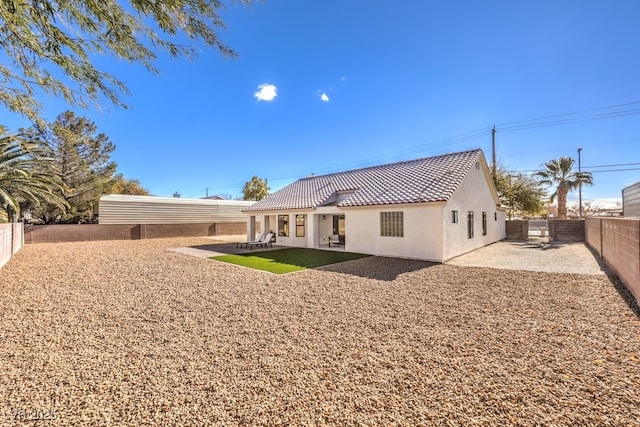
(433, 209)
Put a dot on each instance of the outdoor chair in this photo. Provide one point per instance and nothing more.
(266, 240)
(336, 240)
(251, 242)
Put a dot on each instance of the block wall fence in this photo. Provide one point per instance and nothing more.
(94, 232)
(11, 240)
(560, 230)
(617, 242)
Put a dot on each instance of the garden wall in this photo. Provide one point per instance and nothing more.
(617, 242)
(560, 230)
(566, 230)
(517, 229)
(93, 232)
(11, 240)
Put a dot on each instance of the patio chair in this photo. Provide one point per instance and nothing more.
(266, 240)
(336, 240)
(250, 242)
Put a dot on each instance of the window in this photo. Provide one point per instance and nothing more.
(300, 225)
(495, 216)
(470, 224)
(454, 217)
(484, 223)
(391, 224)
(283, 225)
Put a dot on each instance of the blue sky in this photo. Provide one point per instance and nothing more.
(361, 83)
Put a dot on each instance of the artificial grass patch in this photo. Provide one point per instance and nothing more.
(282, 261)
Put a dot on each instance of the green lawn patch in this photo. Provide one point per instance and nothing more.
(282, 261)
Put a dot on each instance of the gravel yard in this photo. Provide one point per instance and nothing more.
(128, 333)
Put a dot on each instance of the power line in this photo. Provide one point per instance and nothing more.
(584, 169)
(610, 166)
(569, 114)
(438, 143)
(616, 170)
(512, 126)
(570, 120)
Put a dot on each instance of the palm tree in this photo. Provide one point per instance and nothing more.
(558, 173)
(25, 177)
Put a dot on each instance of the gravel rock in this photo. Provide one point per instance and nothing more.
(128, 333)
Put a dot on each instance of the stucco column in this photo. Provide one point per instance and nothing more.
(251, 228)
(266, 224)
(312, 230)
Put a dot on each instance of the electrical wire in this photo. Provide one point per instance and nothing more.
(569, 120)
(568, 114)
(512, 126)
(611, 166)
(439, 143)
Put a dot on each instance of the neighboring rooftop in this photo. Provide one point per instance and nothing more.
(430, 179)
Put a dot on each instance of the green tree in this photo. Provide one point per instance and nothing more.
(521, 193)
(25, 179)
(50, 45)
(256, 189)
(81, 158)
(122, 185)
(559, 173)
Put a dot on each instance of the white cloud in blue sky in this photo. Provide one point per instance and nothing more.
(266, 92)
(324, 97)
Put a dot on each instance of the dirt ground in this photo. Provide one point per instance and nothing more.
(129, 333)
(554, 257)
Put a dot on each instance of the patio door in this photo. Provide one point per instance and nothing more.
(338, 225)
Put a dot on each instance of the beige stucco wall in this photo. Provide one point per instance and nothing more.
(422, 232)
(472, 195)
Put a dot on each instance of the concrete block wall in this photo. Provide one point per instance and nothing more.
(94, 232)
(6, 243)
(617, 241)
(560, 230)
(79, 233)
(11, 240)
(566, 230)
(517, 229)
(232, 228)
(593, 234)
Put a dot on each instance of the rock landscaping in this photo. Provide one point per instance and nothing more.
(128, 333)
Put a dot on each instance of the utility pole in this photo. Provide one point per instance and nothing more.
(579, 184)
(493, 152)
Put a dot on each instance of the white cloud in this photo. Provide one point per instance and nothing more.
(266, 92)
(324, 97)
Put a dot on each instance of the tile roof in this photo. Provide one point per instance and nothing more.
(431, 179)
